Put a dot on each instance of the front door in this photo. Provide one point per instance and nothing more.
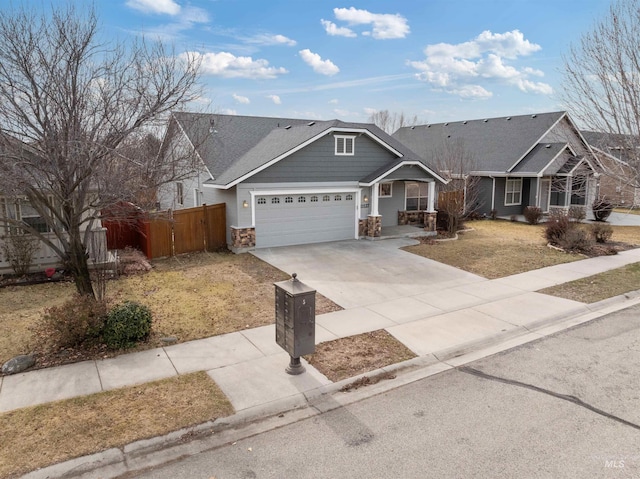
(545, 194)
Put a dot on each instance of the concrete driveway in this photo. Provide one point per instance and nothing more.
(364, 273)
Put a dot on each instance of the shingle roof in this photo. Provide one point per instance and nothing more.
(541, 156)
(495, 144)
(235, 146)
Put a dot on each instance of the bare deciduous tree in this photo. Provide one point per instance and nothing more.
(72, 109)
(459, 197)
(391, 122)
(602, 83)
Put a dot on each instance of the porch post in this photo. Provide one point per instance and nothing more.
(374, 200)
(431, 198)
(567, 196)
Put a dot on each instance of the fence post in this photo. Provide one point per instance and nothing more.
(205, 230)
(172, 232)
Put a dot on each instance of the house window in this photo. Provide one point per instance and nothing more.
(275, 201)
(21, 210)
(513, 192)
(349, 197)
(302, 199)
(345, 145)
(326, 198)
(262, 201)
(288, 199)
(417, 196)
(337, 198)
(179, 193)
(314, 199)
(385, 190)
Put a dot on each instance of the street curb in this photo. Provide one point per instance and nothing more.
(148, 453)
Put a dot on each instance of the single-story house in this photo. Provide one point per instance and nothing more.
(528, 160)
(619, 181)
(291, 181)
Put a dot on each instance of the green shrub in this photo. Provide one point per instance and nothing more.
(77, 321)
(533, 215)
(601, 209)
(126, 324)
(601, 233)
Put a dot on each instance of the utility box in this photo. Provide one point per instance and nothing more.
(295, 319)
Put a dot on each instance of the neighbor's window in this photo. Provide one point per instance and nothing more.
(22, 210)
(384, 190)
(180, 193)
(345, 145)
(417, 196)
(513, 192)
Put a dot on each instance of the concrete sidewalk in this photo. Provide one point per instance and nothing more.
(437, 322)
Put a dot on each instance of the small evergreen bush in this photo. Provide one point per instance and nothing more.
(601, 233)
(601, 209)
(533, 215)
(77, 321)
(126, 324)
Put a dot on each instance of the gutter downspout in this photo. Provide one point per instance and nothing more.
(493, 193)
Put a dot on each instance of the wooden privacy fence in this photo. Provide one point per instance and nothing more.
(169, 233)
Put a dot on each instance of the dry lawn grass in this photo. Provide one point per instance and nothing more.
(495, 249)
(347, 357)
(42, 435)
(191, 297)
(600, 286)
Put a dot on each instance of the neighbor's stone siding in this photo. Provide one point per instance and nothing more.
(374, 226)
(243, 237)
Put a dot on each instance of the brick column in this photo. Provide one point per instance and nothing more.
(242, 238)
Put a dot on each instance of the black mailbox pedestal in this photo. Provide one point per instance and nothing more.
(295, 321)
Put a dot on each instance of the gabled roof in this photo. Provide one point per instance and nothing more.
(505, 144)
(620, 148)
(234, 148)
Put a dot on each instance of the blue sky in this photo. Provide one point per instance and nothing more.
(441, 60)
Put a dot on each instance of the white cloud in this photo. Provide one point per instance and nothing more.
(370, 111)
(315, 61)
(333, 101)
(275, 99)
(457, 68)
(227, 65)
(270, 39)
(344, 114)
(228, 111)
(184, 19)
(241, 99)
(168, 7)
(385, 26)
(336, 31)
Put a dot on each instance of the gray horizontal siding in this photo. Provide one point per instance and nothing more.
(318, 162)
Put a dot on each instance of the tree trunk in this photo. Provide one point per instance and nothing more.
(78, 265)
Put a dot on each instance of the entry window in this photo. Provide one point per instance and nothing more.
(513, 192)
(345, 145)
(314, 199)
(385, 190)
(262, 201)
(417, 198)
(326, 198)
(302, 199)
(275, 201)
(288, 199)
(180, 193)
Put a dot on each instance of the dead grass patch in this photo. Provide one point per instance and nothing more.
(600, 286)
(42, 435)
(347, 357)
(495, 249)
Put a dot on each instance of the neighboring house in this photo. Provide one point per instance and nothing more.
(292, 181)
(619, 181)
(528, 160)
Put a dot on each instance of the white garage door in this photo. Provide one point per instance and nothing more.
(283, 220)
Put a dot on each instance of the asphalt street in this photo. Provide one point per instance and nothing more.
(562, 407)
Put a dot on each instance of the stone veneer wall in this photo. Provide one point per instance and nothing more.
(243, 237)
(363, 226)
(374, 226)
(430, 221)
(411, 218)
